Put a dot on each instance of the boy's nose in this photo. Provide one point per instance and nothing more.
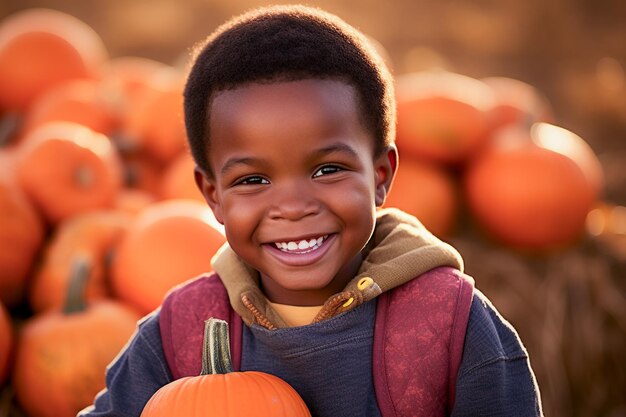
(293, 202)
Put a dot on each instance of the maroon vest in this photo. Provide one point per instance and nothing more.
(418, 337)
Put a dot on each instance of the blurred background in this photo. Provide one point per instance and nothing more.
(564, 293)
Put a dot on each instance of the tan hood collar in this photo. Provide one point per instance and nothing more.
(400, 250)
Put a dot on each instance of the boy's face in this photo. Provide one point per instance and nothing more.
(295, 183)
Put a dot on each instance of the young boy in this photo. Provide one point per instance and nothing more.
(290, 117)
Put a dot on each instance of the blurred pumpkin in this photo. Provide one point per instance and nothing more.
(6, 343)
(7, 162)
(81, 101)
(178, 179)
(426, 191)
(169, 242)
(442, 116)
(66, 168)
(129, 77)
(22, 233)
(95, 233)
(141, 171)
(132, 200)
(41, 47)
(218, 391)
(155, 124)
(61, 356)
(534, 188)
(517, 102)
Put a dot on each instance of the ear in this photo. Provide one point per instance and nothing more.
(385, 166)
(206, 185)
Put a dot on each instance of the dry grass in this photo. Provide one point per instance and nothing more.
(570, 311)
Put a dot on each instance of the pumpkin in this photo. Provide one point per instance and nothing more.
(22, 232)
(141, 171)
(442, 116)
(6, 343)
(426, 191)
(66, 168)
(95, 233)
(129, 77)
(219, 392)
(534, 188)
(41, 47)
(169, 242)
(178, 180)
(80, 101)
(517, 102)
(155, 124)
(8, 158)
(61, 356)
(133, 201)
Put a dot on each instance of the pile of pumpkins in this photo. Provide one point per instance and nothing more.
(100, 217)
(99, 214)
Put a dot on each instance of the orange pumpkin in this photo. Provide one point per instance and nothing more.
(426, 191)
(517, 102)
(133, 201)
(442, 116)
(141, 171)
(178, 180)
(129, 77)
(80, 101)
(534, 194)
(6, 343)
(95, 233)
(168, 243)
(40, 48)
(155, 124)
(66, 168)
(218, 392)
(8, 158)
(22, 233)
(61, 356)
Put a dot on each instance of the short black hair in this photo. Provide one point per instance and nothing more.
(287, 43)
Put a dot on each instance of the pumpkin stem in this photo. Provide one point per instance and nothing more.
(9, 124)
(75, 300)
(216, 348)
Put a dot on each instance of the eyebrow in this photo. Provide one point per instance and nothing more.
(238, 161)
(336, 147)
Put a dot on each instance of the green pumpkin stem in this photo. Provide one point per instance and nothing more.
(79, 275)
(216, 348)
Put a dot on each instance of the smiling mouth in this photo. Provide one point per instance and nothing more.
(301, 246)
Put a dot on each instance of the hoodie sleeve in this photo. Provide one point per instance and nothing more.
(134, 376)
(495, 377)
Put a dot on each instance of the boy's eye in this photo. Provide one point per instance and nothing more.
(326, 169)
(253, 180)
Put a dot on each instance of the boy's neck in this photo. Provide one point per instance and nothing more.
(316, 297)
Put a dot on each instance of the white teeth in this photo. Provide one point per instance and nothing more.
(303, 245)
